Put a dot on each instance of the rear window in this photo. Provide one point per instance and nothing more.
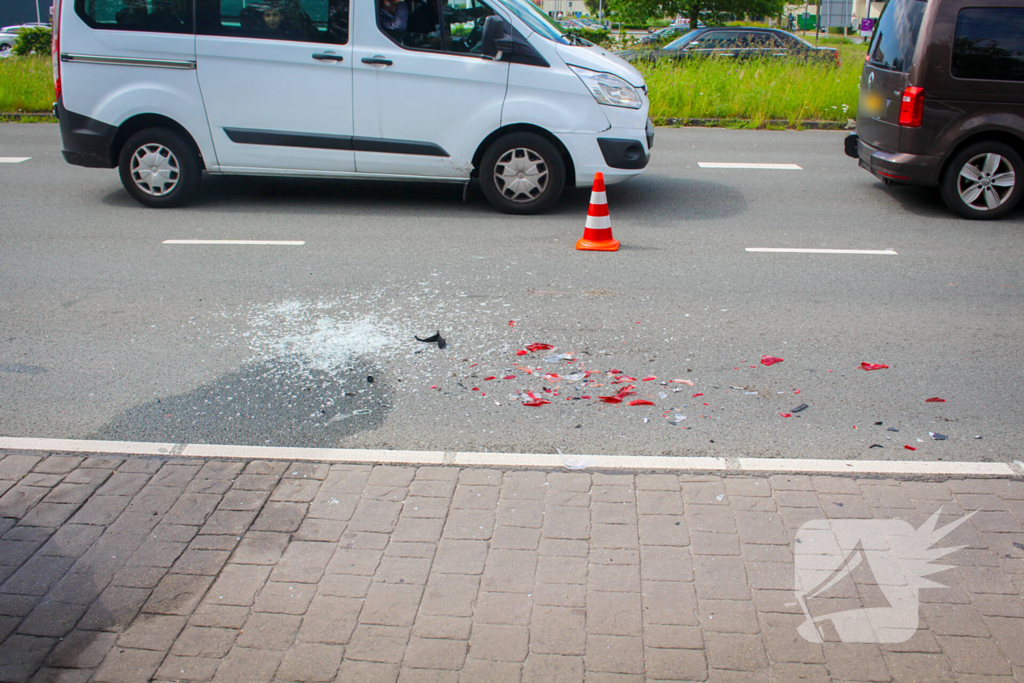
(153, 16)
(989, 44)
(896, 36)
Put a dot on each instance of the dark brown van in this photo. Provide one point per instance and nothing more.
(942, 102)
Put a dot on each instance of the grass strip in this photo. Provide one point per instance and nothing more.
(26, 84)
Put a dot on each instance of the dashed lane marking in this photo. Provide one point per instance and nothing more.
(273, 243)
(785, 250)
(13, 160)
(762, 167)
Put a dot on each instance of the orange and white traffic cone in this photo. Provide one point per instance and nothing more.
(597, 234)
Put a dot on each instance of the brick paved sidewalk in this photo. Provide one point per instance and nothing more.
(125, 570)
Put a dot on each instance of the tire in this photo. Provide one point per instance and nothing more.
(167, 155)
(969, 186)
(522, 157)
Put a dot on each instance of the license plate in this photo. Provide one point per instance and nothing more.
(874, 104)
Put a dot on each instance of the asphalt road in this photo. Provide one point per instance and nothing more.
(107, 333)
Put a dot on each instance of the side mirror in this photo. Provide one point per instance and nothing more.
(496, 38)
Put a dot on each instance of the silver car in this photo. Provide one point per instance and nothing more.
(7, 44)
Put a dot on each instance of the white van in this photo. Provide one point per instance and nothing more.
(435, 90)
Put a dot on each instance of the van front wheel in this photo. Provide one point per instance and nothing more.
(159, 168)
(984, 180)
(522, 173)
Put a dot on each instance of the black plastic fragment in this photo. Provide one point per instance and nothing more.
(875, 445)
(802, 406)
(937, 437)
(892, 429)
(878, 424)
(432, 339)
(369, 378)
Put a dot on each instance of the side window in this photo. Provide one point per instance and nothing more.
(153, 16)
(989, 44)
(454, 26)
(753, 40)
(311, 21)
(717, 40)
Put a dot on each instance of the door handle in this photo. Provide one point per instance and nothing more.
(328, 57)
(377, 61)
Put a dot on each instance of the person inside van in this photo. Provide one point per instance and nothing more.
(277, 24)
(394, 15)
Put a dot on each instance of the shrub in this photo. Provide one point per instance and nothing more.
(33, 40)
(598, 37)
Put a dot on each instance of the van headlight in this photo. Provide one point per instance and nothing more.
(609, 89)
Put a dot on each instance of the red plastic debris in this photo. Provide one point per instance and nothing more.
(584, 397)
(509, 377)
(538, 402)
(487, 379)
(552, 377)
(539, 347)
(770, 360)
(641, 402)
(511, 323)
(521, 352)
(434, 387)
(476, 388)
(696, 395)
(610, 399)
(873, 366)
(624, 378)
(615, 372)
(474, 365)
(935, 399)
(680, 381)
(797, 391)
(648, 379)
(910, 448)
(785, 415)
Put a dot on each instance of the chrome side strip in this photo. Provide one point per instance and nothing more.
(128, 61)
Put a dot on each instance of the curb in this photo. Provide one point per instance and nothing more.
(733, 123)
(11, 117)
(683, 464)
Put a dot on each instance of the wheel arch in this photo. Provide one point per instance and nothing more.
(570, 168)
(994, 135)
(133, 125)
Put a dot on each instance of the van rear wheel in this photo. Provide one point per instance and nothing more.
(984, 180)
(522, 173)
(159, 168)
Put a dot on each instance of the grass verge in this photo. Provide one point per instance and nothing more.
(756, 93)
(26, 84)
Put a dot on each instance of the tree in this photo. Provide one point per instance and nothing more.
(708, 11)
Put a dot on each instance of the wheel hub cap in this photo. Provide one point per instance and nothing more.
(986, 182)
(521, 175)
(154, 169)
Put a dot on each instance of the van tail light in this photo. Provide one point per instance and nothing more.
(912, 107)
(55, 48)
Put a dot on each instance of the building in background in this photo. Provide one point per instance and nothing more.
(568, 8)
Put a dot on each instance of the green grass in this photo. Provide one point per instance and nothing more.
(756, 91)
(26, 84)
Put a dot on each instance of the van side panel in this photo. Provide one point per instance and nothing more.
(97, 83)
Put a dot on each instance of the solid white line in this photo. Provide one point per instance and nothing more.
(782, 250)
(279, 243)
(13, 160)
(522, 460)
(764, 167)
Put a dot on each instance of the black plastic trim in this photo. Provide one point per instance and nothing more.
(340, 142)
(624, 153)
(523, 52)
(85, 141)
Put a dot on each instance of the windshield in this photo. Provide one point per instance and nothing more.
(535, 19)
(681, 41)
(896, 36)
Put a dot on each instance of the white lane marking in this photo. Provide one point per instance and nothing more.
(783, 250)
(278, 243)
(764, 167)
(537, 460)
(13, 160)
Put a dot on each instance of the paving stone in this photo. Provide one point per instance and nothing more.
(320, 530)
(295, 490)
(281, 517)
(676, 665)
(614, 513)
(475, 498)
(560, 595)
(255, 482)
(563, 548)
(523, 514)
(613, 578)
(735, 651)
(614, 654)
(498, 642)
(838, 506)
(53, 619)
(431, 488)
(245, 665)
(720, 578)
(370, 672)
(559, 630)
(460, 556)
(918, 667)
(124, 665)
(469, 524)
(403, 570)
(515, 538)
(673, 637)
(1009, 635)
(206, 562)
(81, 650)
(284, 598)
(452, 628)
(157, 553)
(509, 571)
(415, 530)
(391, 604)
(614, 536)
(269, 631)
(238, 584)
(434, 653)
(954, 620)
(666, 563)
(330, 620)
(175, 668)
(86, 474)
(178, 594)
(301, 469)
(37, 575)
(15, 467)
(359, 561)
(150, 632)
(450, 595)
(658, 502)
(20, 499)
(855, 662)
(222, 616)
(480, 671)
(228, 523)
(385, 644)
(545, 668)
(524, 485)
(784, 644)
(212, 643)
(114, 609)
(311, 662)
(304, 561)
(728, 616)
(669, 602)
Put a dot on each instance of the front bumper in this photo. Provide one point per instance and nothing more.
(899, 167)
(85, 141)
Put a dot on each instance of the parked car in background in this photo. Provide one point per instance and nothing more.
(942, 102)
(7, 43)
(667, 34)
(736, 43)
(18, 28)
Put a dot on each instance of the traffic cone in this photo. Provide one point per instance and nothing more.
(597, 234)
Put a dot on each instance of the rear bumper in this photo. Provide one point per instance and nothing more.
(899, 167)
(85, 141)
